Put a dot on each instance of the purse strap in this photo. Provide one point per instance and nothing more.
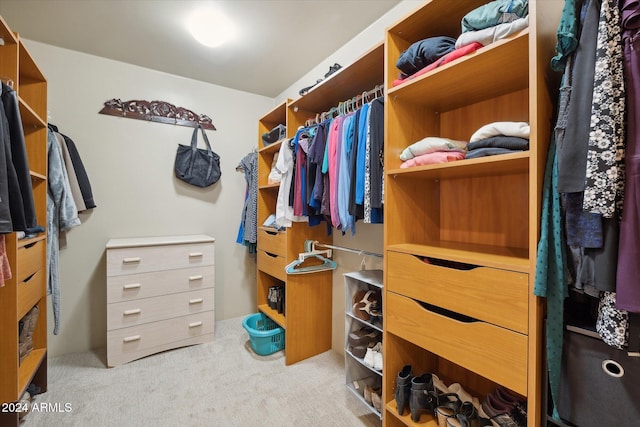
(194, 140)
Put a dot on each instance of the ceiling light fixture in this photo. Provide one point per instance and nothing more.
(210, 27)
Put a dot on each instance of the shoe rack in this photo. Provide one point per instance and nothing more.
(480, 325)
(358, 373)
(27, 286)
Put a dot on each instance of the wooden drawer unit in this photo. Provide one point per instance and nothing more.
(273, 241)
(127, 344)
(491, 351)
(30, 258)
(30, 290)
(272, 264)
(488, 294)
(151, 284)
(160, 295)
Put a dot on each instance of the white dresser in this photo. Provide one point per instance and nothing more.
(160, 295)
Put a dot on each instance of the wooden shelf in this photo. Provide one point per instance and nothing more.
(503, 164)
(499, 68)
(363, 75)
(274, 315)
(29, 366)
(425, 419)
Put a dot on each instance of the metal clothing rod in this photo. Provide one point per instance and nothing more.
(355, 251)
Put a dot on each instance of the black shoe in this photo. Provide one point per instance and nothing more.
(403, 388)
(335, 67)
(422, 392)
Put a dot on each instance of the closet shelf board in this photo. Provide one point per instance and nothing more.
(274, 315)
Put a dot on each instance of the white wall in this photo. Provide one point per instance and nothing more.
(130, 166)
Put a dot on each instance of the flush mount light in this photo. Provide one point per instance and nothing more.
(210, 26)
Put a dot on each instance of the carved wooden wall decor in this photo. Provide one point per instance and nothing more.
(156, 111)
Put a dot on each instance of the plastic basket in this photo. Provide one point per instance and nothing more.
(265, 336)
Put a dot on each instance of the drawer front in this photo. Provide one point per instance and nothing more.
(129, 343)
(30, 259)
(489, 294)
(272, 241)
(158, 258)
(31, 290)
(491, 351)
(272, 264)
(147, 310)
(147, 285)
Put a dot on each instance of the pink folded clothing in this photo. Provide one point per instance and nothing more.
(433, 158)
(460, 52)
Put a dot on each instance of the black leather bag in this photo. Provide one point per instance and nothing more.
(197, 166)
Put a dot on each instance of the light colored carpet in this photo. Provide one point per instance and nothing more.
(216, 384)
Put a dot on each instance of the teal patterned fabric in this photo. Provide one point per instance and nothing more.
(550, 280)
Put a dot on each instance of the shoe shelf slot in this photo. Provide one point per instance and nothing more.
(360, 361)
(358, 377)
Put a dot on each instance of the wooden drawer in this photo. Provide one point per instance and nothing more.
(146, 310)
(31, 290)
(489, 294)
(272, 241)
(30, 258)
(272, 264)
(146, 285)
(127, 344)
(158, 258)
(491, 351)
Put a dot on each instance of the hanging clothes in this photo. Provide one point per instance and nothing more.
(62, 214)
(628, 267)
(78, 169)
(21, 203)
(248, 233)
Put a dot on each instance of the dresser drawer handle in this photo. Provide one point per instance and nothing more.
(195, 254)
(131, 286)
(131, 260)
(195, 301)
(132, 338)
(198, 277)
(132, 311)
(195, 324)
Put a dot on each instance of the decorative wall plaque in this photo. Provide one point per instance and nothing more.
(156, 111)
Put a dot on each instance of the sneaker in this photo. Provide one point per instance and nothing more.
(370, 357)
(377, 360)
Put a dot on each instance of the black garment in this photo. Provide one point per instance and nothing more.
(423, 53)
(78, 168)
(18, 157)
(6, 226)
(500, 141)
(572, 150)
(376, 151)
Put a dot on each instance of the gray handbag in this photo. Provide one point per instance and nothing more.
(197, 166)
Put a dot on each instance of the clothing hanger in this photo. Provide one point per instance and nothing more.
(311, 253)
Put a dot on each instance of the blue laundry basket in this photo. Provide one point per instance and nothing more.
(265, 336)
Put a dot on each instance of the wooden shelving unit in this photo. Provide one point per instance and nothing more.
(480, 324)
(27, 287)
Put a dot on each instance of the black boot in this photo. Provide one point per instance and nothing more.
(421, 394)
(403, 388)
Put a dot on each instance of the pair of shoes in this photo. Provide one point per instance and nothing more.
(332, 69)
(373, 357)
(25, 339)
(373, 396)
(505, 409)
(367, 304)
(361, 339)
(410, 392)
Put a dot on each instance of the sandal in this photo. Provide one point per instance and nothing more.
(366, 304)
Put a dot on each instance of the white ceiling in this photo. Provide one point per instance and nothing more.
(279, 40)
